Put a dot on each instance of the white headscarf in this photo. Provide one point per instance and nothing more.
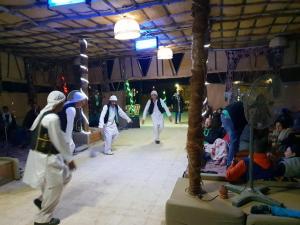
(154, 93)
(54, 98)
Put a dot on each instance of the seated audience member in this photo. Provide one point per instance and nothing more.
(289, 166)
(262, 169)
(8, 124)
(286, 116)
(280, 134)
(214, 144)
(213, 128)
(233, 120)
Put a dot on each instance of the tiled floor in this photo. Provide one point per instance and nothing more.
(128, 188)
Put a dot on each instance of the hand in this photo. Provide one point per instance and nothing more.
(170, 118)
(143, 121)
(129, 121)
(72, 165)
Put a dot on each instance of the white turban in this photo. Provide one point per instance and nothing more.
(113, 98)
(154, 93)
(54, 98)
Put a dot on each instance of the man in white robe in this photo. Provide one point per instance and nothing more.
(49, 161)
(75, 100)
(108, 121)
(156, 108)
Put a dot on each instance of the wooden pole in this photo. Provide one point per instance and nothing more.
(84, 76)
(200, 11)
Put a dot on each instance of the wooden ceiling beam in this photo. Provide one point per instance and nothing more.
(265, 26)
(248, 16)
(112, 12)
(215, 5)
(36, 24)
(222, 14)
(255, 21)
(239, 22)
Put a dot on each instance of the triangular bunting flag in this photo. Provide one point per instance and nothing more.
(110, 65)
(176, 60)
(144, 64)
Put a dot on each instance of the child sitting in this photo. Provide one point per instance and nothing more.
(289, 166)
(262, 169)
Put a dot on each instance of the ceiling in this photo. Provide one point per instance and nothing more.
(30, 28)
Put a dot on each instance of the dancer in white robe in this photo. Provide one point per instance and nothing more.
(156, 108)
(75, 100)
(109, 118)
(49, 161)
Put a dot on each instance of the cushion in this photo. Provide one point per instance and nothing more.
(270, 220)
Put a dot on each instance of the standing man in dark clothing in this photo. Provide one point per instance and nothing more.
(31, 116)
(22, 137)
(177, 103)
(8, 124)
(233, 121)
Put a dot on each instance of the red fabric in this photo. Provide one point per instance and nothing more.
(226, 138)
(262, 160)
(236, 171)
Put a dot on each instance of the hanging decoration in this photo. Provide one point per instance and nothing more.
(273, 55)
(144, 64)
(62, 84)
(176, 61)
(130, 97)
(233, 58)
(109, 67)
(65, 88)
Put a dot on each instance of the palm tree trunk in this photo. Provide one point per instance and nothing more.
(200, 11)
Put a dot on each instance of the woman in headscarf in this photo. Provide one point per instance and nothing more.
(50, 160)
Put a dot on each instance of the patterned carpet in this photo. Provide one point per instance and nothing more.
(213, 168)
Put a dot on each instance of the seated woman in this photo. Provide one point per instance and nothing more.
(289, 166)
(262, 169)
(280, 134)
(214, 144)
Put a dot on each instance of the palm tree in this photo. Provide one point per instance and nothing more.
(200, 11)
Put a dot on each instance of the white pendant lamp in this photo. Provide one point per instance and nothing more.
(164, 53)
(127, 28)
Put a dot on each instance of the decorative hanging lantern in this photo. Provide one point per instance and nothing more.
(164, 53)
(127, 28)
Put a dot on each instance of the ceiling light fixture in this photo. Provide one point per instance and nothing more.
(164, 53)
(126, 29)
